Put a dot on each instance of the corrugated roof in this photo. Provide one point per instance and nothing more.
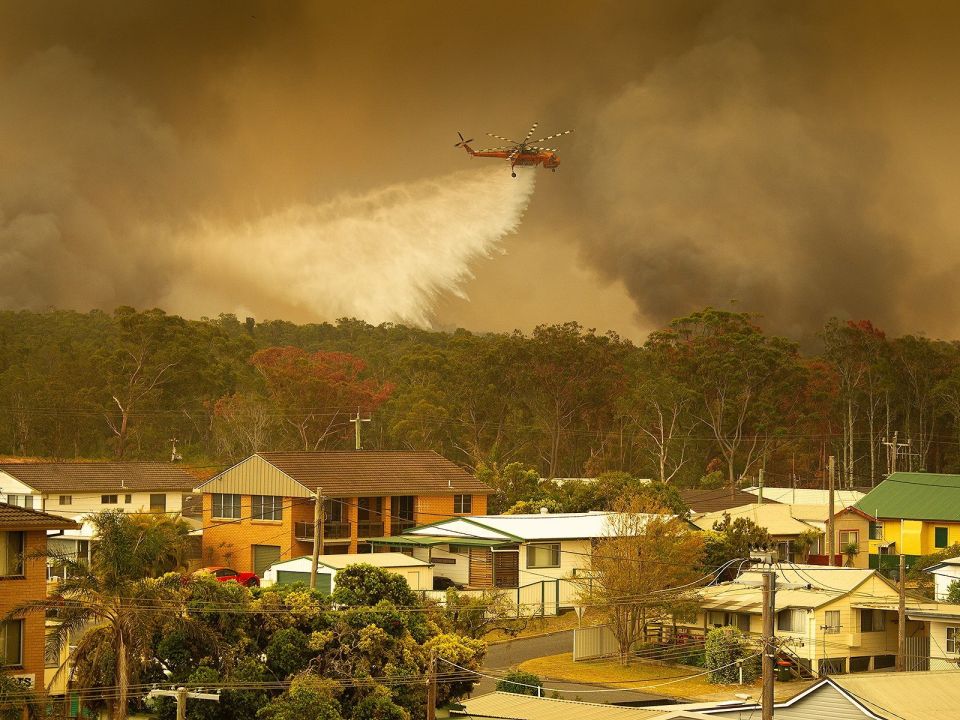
(705, 501)
(78, 477)
(551, 526)
(13, 517)
(915, 496)
(799, 586)
(512, 706)
(775, 517)
(371, 473)
(341, 560)
(910, 696)
(807, 496)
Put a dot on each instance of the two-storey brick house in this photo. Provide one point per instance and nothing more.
(262, 509)
(23, 577)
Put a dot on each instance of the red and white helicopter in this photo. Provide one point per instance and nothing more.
(524, 152)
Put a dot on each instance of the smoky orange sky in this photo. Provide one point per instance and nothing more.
(295, 160)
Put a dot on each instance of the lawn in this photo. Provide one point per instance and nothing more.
(667, 680)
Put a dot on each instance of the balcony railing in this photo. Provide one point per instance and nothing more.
(331, 531)
(367, 529)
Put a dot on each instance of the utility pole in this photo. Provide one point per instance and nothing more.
(760, 486)
(831, 549)
(318, 518)
(902, 617)
(893, 452)
(769, 643)
(356, 423)
(432, 686)
(174, 455)
(181, 694)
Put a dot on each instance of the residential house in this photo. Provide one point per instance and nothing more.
(417, 573)
(873, 696)
(828, 618)
(23, 578)
(77, 489)
(917, 514)
(261, 510)
(787, 523)
(944, 573)
(511, 551)
(708, 501)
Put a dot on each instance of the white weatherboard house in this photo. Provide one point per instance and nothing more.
(417, 573)
(510, 551)
(944, 573)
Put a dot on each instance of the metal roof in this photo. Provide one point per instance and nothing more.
(14, 517)
(910, 695)
(80, 477)
(775, 517)
(512, 706)
(516, 528)
(807, 496)
(915, 496)
(431, 540)
(346, 473)
(705, 501)
(341, 560)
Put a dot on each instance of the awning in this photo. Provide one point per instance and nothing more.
(431, 540)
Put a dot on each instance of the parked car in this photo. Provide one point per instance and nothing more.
(225, 574)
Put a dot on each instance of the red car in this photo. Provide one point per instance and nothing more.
(225, 574)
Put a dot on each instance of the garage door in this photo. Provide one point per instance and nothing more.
(264, 556)
(289, 577)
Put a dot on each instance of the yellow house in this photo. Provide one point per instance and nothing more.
(917, 514)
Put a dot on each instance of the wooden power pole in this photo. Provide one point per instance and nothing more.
(831, 535)
(181, 694)
(769, 644)
(432, 686)
(902, 617)
(318, 519)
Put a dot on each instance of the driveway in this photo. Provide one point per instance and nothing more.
(503, 656)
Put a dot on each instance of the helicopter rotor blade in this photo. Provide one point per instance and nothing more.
(501, 137)
(530, 132)
(550, 137)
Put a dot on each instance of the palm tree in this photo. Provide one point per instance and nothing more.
(111, 606)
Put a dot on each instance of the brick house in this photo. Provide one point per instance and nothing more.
(23, 577)
(261, 510)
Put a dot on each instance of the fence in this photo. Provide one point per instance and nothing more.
(537, 598)
(599, 641)
(591, 643)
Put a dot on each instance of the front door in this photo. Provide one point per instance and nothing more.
(506, 568)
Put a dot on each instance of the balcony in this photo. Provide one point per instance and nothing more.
(367, 529)
(303, 531)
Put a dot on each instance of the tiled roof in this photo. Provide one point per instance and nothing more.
(915, 496)
(79, 477)
(704, 501)
(13, 517)
(376, 472)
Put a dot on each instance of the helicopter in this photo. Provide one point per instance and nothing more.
(524, 152)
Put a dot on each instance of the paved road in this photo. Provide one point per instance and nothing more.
(503, 656)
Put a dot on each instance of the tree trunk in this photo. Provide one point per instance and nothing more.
(850, 442)
(120, 710)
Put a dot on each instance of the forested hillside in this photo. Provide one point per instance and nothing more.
(711, 396)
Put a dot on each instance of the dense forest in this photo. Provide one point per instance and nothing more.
(709, 399)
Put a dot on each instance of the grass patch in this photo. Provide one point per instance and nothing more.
(668, 680)
(541, 626)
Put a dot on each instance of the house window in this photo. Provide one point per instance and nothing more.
(24, 501)
(226, 505)
(953, 634)
(158, 502)
(459, 549)
(831, 624)
(267, 507)
(127, 499)
(543, 555)
(108, 499)
(11, 553)
(791, 620)
(849, 537)
(716, 618)
(876, 530)
(11, 643)
(66, 499)
(462, 504)
(940, 537)
(871, 620)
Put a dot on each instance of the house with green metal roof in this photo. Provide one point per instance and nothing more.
(917, 514)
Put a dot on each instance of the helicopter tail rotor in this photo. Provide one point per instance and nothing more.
(463, 143)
